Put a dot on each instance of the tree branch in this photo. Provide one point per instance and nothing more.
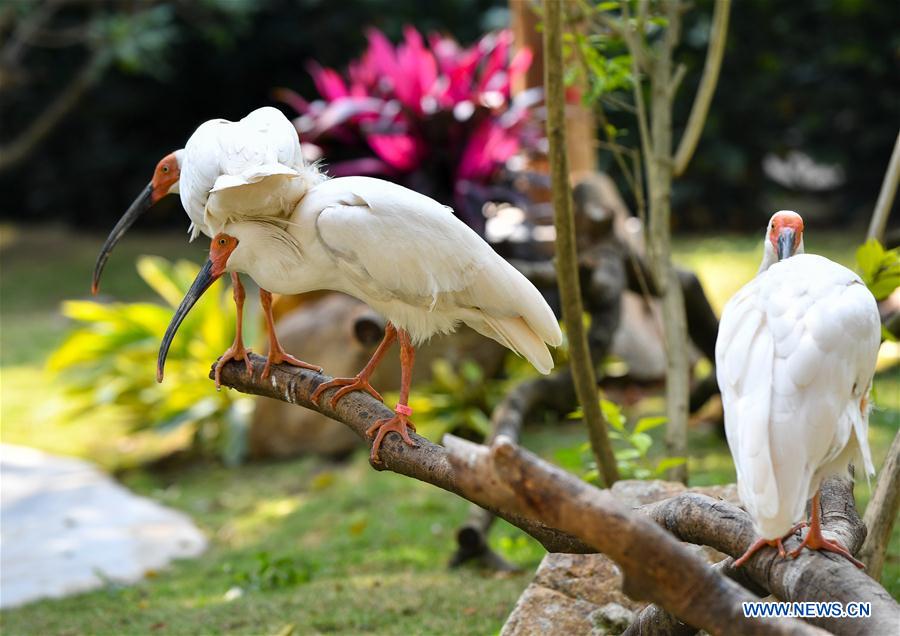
(655, 621)
(886, 195)
(697, 119)
(655, 566)
(812, 576)
(427, 462)
(567, 515)
(567, 264)
(882, 511)
(507, 420)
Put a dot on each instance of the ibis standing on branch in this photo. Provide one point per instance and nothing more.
(401, 252)
(227, 171)
(795, 358)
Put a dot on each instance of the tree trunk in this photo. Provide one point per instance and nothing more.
(660, 186)
(566, 259)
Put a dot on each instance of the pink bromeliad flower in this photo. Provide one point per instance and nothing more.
(435, 116)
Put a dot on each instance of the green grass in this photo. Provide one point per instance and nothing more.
(368, 550)
(372, 545)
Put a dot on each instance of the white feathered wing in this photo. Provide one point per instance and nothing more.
(378, 232)
(246, 169)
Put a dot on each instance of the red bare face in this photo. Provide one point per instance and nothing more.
(786, 221)
(219, 250)
(166, 175)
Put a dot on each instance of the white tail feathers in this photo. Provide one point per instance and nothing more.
(534, 309)
(515, 334)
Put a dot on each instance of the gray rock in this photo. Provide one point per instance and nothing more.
(68, 528)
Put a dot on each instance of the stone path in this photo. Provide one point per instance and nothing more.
(66, 527)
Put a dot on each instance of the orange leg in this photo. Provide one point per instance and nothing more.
(772, 543)
(361, 381)
(237, 351)
(399, 423)
(277, 354)
(814, 539)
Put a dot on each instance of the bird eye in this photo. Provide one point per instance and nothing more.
(165, 169)
(222, 242)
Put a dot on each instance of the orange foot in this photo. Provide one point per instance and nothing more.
(236, 351)
(277, 356)
(772, 543)
(359, 383)
(815, 540)
(399, 424)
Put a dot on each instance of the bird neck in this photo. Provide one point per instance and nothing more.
(770, 257)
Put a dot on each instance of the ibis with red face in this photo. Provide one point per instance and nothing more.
(228, 171)
(405, 255)
(795, 358)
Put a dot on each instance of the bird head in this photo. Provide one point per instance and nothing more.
(166, 176)
(165, 181)
(784, 237)
(220, 250)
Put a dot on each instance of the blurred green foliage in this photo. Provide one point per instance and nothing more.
(269, 573)
(880, 268)
(457, 400)
(631, 447)
(109, 359)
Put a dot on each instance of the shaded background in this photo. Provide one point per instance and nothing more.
(816, 78)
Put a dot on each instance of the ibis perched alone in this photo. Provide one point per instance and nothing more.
(795, 358)
(228, 171)
(401, 252)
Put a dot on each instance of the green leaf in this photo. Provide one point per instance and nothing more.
(668, 463)
(641, 442)
(157, 273)
(868, 257)
(612, 413)
(649, 423)
(879, 268)
(885, 286)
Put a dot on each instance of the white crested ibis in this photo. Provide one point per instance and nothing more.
(795, 358)
(227, 171)
(401, 252)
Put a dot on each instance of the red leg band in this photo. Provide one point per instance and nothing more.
(403, 409)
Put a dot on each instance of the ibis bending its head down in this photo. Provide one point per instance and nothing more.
(401, 252)
(229, 171)
(795, 358)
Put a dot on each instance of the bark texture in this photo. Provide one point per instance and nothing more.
(881, 514)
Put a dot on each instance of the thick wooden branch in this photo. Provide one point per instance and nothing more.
(655, 621)
(812, 576)
(655, 565)
(555, 391)
(567, 515)
(882, 512)
(427, 462)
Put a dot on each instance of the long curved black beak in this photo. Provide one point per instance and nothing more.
(786, 243)
(141, 204)
(203, 281)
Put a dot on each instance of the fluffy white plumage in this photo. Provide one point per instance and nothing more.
(405, 255)
(244, 169)
(795, 359)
